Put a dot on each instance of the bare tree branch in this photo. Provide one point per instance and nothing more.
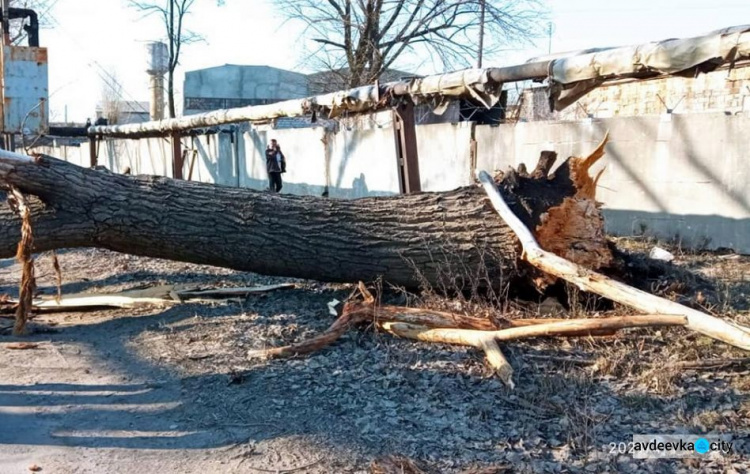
(371, 36)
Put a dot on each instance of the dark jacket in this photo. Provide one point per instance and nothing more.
(275, 164)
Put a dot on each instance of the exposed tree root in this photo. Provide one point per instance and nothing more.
(442, 327)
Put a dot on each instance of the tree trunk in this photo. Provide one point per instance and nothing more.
(170, 94)
(450, 240)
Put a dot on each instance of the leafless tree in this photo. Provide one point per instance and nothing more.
(111, 98)
(361, 39)
(172, 14)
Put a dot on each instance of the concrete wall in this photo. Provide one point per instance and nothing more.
(362, 158)
(215, 158)
(357, 160)
(676, 177)
(145, 156)
(444, 155)
(680, 177)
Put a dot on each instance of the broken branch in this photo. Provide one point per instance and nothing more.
(348, 318)
(556, 329)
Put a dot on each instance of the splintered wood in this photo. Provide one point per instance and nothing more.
(161, 296)
(574, 230)
(554, 230)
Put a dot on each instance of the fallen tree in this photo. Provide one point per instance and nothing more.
(550, 227)
(448, 240)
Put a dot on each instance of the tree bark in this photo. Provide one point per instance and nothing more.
(450, 241)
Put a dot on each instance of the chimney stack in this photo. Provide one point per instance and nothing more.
(157, 67)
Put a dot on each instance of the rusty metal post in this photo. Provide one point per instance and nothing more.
(93, 150)
(406, 148)
(177, 158)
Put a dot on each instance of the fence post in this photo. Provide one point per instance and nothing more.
(177, 158)
(406, 148)
(473, 150)
(93, 155)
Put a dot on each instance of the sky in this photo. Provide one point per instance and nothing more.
(91, 41)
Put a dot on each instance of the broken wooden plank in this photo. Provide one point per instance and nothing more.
(97, 301)
(160, 296)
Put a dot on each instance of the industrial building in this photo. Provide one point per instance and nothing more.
(231, 85)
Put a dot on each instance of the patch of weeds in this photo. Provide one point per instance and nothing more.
(707, 419)
(569, 398)
(617, 363)
(659, 380)
(641, 402)
(741, 384)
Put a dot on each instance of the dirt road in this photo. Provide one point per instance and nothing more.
(171, 390)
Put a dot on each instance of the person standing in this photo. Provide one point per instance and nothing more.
(275, 165)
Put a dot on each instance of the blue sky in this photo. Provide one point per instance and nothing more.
(89, 41)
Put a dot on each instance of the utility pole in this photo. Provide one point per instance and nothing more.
(481, 32)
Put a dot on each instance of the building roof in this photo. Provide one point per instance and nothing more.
(242, 66)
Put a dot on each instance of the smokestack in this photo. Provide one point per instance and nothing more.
(157, 68)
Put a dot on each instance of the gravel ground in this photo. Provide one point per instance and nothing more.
(172, 390)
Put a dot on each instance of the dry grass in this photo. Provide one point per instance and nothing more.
(396, 465)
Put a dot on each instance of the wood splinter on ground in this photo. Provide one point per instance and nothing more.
(150, 297)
